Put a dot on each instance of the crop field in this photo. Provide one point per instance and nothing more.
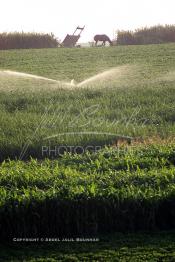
(87, 144)
(132, 96)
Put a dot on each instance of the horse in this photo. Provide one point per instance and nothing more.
(102, 38)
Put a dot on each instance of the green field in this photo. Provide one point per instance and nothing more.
(136, 100)
(128, 188)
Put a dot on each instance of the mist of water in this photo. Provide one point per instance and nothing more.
(108, 75)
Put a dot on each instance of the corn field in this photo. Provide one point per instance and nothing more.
(112, 190)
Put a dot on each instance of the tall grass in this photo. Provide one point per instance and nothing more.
(153, 35)
(17, 40)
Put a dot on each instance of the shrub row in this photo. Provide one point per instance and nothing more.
(23, 40)
(153, 35)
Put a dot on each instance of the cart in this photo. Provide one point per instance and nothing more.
(71, 40)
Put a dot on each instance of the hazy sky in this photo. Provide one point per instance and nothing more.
(99, 16)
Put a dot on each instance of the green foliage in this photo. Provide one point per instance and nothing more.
(23, 40)
(153, 35)
(125, 190)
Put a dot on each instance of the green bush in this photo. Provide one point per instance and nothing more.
(23, 40)
(153, 35)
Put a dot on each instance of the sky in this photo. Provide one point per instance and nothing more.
(98, 16)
